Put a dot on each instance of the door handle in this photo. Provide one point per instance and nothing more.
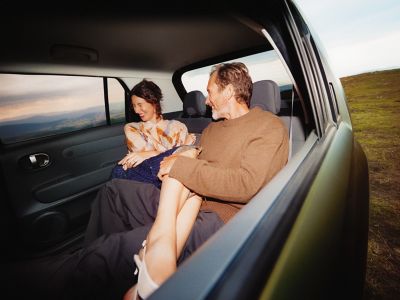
(39, 160)
(35, 161)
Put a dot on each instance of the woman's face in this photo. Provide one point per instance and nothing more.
(144, 109)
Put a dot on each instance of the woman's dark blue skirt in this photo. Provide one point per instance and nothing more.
(145, 172)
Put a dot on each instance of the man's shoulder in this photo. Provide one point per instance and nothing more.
(267, 120)
(213, 124)
(259, 113)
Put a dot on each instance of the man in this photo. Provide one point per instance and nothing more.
(240, 154)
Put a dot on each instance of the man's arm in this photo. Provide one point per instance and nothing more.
(263, 156)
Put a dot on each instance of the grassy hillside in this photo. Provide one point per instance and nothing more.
(374, 102)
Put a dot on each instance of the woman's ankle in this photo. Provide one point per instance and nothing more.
(160, 259)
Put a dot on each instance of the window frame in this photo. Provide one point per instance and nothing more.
(310, 61)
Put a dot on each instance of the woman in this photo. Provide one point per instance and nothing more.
(153, 137)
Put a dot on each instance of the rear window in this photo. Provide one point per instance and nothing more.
(265, 65)
(33, 106)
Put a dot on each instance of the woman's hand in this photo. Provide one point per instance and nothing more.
(190, 139)
(131, 160)
(190, 152)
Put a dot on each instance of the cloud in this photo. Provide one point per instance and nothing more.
(25, 95)
(358, 35)
(375, 54)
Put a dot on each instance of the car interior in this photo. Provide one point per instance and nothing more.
(65, 79)
(50, 181)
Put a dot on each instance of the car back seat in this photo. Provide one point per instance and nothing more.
(266, 94)
(194, 114)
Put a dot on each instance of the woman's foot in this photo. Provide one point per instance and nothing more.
(145, 285)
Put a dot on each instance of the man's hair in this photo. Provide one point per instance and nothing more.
(236, 74)
(150, 92)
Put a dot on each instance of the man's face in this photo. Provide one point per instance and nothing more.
(216, 99)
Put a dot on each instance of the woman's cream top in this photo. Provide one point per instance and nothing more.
(155, 136)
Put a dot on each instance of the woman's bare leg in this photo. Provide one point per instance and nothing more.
(175, 218)
(185, 221)
(161, 249)
(162, 253)
(176, 214)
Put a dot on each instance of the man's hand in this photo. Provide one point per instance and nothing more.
(166, 165)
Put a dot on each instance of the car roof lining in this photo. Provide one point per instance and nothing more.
(124, 41)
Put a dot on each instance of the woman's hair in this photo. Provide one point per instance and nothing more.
(150, 92)
(236, 74)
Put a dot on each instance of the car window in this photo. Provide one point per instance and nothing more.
(265, 65)
(33, 106)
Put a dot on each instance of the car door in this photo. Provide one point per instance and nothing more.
(56, 155)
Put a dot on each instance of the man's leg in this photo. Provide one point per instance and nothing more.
(104, 270)
(207, 223)
(122, 205)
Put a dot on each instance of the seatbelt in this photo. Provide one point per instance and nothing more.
(291, 127)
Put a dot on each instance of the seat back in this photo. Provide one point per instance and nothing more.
(194, 114)
(266, 94)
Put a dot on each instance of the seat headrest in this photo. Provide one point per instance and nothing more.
(194, 104)
(266, 94)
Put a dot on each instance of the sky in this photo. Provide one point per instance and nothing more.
(358, 35)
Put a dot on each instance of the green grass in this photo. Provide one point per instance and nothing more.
(374, 102)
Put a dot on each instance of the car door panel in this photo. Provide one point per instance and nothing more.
(60, 194)
(73, 186)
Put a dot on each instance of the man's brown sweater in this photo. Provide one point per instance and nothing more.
(239, 157)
